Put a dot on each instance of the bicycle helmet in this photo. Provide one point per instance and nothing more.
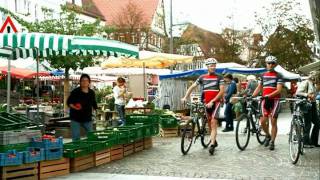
(210, 61)
(271, 59)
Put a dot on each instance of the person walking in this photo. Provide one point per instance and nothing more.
(120, 95)
(232, 89)
(82, 101)
(308, 89)
(212, 89)
(271, 86)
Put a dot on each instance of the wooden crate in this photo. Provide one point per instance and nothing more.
(82, 163)
(102, 157)
(128, 149)
(147, 143)
(24, 171)
(54, 168)
(116, 152)
(138, 145)
(169, 132)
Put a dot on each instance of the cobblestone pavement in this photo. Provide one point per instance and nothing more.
(256, 162)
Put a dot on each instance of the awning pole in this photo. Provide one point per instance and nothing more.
(144, 82)
(8, 85)
(37, 80)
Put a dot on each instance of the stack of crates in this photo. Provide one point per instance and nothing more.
(82, 147)
(168, 126)
(150, 123)
(53, 147)
(14, 147)
(168, 121)
(11, 158)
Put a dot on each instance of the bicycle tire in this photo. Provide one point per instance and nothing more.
(261, 138)
(295, 139)
(243, 122)
(187, 137)
(205, 132)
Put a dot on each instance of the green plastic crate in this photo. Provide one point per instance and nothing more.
(110, 138)
(136, 131)
(168, 122)
(82, 148)
(76, 149)
(18, 147)
(131, 119)
(149, 130)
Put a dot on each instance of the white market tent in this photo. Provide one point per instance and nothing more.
(315, 66)
(98, 71)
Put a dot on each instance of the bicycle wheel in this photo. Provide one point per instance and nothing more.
(187, 137)
(260, 134)
(243, 132)
(205, 133)
(295, 141)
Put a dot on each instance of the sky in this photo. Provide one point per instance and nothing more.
(212, 14)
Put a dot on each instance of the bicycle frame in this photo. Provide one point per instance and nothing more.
(199, 111)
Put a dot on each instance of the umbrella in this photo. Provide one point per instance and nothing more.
(22, 73)
(41, 45)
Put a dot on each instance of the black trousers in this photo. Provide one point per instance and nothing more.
(310, 117)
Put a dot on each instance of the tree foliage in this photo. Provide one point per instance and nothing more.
(287, 33)
(130, 22)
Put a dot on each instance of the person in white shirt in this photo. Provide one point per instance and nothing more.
(120, 95)
(308, 89)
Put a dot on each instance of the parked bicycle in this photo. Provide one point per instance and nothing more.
(248, 123)
(199, 121)
(296, 136)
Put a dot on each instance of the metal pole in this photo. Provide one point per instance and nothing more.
(37, 80)
(8, 85)
(144, 81)
(171, 37)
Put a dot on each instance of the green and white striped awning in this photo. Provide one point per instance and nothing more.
(23, 45)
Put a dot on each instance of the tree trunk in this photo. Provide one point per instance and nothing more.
(66, 91)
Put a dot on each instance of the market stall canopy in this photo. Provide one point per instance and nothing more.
(98, 71)
(221, 67)
(28, 63)
(286, 74)
(148, 59)
(23, 45)
(22, 73)
(76, 77)
(239, 70)
(315, 66)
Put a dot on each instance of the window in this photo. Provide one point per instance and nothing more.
(134, 38)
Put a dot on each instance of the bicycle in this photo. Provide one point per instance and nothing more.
(243, 128)
(296, 135)
(199, 120)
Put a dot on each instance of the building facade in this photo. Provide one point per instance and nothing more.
(147, 31)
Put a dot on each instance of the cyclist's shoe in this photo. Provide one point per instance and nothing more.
(211, 149)
(271, 147)
(267, 142)
(216, 144)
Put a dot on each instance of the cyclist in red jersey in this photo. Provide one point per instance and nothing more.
(211, 86)
(271, 86)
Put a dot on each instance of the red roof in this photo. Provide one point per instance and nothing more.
(110, 9)
(21, 73)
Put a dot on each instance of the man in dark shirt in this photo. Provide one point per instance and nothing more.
(81, 102)
(232, 89)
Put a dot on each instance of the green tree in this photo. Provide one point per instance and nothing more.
(288, 34)
(68, 23)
